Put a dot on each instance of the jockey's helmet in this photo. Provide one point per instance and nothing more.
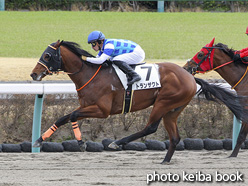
(95, 36)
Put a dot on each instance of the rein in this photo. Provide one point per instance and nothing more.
(241, 78)
(69, 73)
(90, 79)
(227, 63)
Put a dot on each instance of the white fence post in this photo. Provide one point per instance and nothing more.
(37, 120)
(236, 130)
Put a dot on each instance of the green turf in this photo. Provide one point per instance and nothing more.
(161, 35)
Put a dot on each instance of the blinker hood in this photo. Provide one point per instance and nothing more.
(54, 63)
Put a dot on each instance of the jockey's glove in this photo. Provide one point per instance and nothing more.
(106, 64)
(236, 57)
(84, 58)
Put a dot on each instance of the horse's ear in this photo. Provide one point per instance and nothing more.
(211, 43)
(56, 44)
(60, 43)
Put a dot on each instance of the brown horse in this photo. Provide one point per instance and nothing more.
(219, 58)
(101, 94)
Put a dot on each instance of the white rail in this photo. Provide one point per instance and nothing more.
(43, 88)
(37, 88)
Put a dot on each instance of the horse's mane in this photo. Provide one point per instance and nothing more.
(225, 49)
(229, 51)
(75, 48)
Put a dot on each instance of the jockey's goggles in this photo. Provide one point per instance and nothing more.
(93, 44)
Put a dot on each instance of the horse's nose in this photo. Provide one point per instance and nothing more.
(34, 76)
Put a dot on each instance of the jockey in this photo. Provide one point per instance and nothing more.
(121, 52)
(242, 53)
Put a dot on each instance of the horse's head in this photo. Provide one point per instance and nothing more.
(202, 61)
(49, 62)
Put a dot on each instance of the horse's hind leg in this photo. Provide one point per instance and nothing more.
(241, 138)
(61, 121)
(150, 128)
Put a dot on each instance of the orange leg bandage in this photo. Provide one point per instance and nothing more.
(76, 131)
(49, 132)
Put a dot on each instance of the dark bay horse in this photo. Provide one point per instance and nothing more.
(219, 58)
(101, 94)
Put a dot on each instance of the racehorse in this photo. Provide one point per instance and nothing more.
(101, 94)
(219, 58)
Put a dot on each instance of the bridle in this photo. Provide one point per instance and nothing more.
(208, 57)
(194, 70)
(54, 63)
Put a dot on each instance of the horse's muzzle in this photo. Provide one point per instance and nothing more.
(37, 77)
(34, 76)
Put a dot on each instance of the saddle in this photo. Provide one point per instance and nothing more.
(245, 60)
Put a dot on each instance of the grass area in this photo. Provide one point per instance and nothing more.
(161, 35)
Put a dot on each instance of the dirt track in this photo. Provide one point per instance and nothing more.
(125, 168)
(18, 69)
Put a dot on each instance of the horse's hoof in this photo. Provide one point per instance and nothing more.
(165, 163)
(38, 143)
(113, 145)
(82, 146)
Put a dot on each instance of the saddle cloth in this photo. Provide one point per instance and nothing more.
(150, 77)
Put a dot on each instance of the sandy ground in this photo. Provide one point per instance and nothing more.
(19, 69)
(124, 168)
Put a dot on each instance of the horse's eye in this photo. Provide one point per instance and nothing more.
(200, 55)
(47, 56)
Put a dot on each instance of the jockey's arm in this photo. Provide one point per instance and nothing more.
(244, 52)
(108, 50)
(98, 60)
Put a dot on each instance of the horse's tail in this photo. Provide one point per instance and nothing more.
(218, 94)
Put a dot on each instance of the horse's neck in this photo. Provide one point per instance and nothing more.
(79, 72)
(85, 75)
(232, 73)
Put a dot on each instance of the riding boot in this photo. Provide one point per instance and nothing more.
(133, 76)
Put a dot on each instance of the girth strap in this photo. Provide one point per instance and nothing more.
(127, 103)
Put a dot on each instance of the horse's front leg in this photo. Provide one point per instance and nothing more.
(61, 121)
(92, 111)
(88, 112)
